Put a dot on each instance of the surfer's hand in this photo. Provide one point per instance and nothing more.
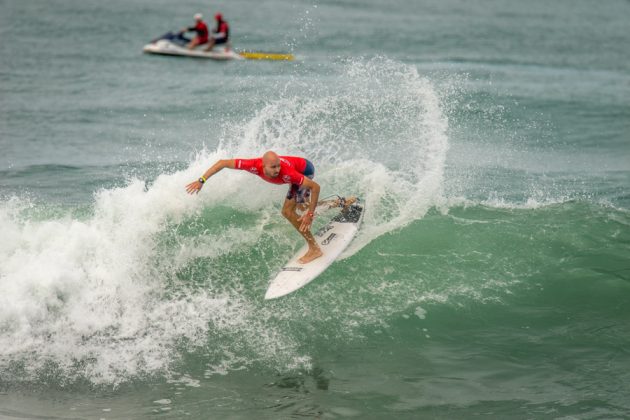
(307, 220)
(194, 187)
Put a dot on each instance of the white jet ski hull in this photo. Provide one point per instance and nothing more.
(166, 47)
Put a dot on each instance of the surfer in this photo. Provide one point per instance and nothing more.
(200, 28)
(296, 171)
(221, 34)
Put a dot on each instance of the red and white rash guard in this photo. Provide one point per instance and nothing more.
(291, 169)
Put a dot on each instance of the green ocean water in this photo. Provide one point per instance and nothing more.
(488, 140)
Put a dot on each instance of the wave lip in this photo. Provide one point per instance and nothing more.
(374, 129)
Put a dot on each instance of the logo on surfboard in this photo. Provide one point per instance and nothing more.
(329, 239)
(324, 229)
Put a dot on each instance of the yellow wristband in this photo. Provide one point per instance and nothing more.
(202, 179)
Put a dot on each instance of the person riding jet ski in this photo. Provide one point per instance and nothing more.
(200, 28)
(221, 34)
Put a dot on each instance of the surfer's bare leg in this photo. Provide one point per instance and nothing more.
(349, 201)
(288, 211)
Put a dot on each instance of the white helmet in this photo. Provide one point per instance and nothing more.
(198, 16)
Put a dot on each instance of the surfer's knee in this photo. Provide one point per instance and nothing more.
(287, 211)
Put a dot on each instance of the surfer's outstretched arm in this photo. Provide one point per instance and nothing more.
(195, 186)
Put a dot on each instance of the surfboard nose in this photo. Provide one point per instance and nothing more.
(273, 294)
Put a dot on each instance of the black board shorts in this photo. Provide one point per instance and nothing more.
(300, 194)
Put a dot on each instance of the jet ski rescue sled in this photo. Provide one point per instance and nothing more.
(174, 44)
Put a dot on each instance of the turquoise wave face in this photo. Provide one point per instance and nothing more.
(189, 279)
(524, 299)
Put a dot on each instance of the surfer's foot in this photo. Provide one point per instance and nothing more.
(345, 202)
(310, 256)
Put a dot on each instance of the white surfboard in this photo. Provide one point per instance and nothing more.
(332, 238)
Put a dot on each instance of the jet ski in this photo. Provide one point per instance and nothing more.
(174, 43)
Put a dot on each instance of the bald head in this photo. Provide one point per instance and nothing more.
(270, 157)
(271, 164)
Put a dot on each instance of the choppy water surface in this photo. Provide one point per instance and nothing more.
(488, 140)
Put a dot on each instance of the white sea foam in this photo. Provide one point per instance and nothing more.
(379, 133)
(91, 294)
(85, 294)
